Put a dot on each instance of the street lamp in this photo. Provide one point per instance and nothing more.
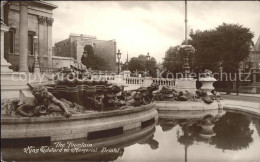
(148, 58)
(36, 62)
(118, 54)
(126, 64)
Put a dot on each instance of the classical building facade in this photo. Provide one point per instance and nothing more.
(25, 20)
(74, 47)
(252, 66)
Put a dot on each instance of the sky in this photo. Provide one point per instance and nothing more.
(140, 27)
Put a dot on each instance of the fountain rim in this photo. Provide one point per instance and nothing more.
(87, 116)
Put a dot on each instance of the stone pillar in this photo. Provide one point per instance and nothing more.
(23, 37)
(41, 22)
(4, 64)
(148, 81)
(49, 39)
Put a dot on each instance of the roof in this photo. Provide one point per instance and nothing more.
(47, 4)
(257, 44)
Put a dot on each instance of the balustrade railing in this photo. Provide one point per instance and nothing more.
(134, 80)
(163, 81)
(108, 78)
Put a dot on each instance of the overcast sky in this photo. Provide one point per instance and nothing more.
(149, 26)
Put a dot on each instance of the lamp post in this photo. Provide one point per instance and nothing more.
(118, 54)
(36, 62)
(148, 58)
(126, 64)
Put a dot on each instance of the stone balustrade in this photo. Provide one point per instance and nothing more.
(164, 81)
(134, 80)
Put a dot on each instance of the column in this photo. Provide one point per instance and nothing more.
(4, 64)
(23, 39)
(41, 22)
(49, 39)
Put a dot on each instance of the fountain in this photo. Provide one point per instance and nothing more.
(187, 97)
(75, 106)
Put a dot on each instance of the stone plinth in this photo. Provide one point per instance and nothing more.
(126, 73)
(12, 83)
(188, 84)
(147, 81)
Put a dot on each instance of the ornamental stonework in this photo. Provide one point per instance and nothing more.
(41, 19)
(49, 20)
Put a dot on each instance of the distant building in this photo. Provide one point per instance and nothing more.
(27, 19)
(74, 47)
(252, 65)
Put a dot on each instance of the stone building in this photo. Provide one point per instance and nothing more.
(25, 20)
(252, 65)
(74, 47)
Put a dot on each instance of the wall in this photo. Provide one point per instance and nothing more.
(58, 62)
(43, 31)
(74, 47)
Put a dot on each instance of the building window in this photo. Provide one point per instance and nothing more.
(11, 40)
(30, 42)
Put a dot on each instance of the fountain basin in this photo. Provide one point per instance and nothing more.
(187, 105)
(79, 125)
(118, 142)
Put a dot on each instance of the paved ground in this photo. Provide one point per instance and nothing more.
(242, 98)
(243, 102)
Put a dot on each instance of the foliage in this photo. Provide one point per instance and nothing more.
(173, 60)
(93, 61)
(232, 132)
(141, 64)
(224, 46)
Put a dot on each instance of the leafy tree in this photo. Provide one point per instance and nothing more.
(93, 61)
(173, 61)
(224, 46)
(141, 64)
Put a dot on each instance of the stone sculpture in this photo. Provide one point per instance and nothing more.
(171, 94)
(144, 95)
(44, 103)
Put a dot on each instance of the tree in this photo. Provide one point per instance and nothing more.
(141, 64)
(173, 61)
(224, 46)
(93, 61)
(228, 44)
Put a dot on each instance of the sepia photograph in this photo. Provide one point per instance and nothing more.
(130, 80)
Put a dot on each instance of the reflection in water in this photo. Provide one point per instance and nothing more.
(194, 126)
(232, 132)
(256, 122)
(151, 142)
(103, 149)
(167, 124)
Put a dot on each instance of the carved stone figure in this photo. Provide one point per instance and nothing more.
(169, 94)
(44, 103)
(144, 95)
(110, 97)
